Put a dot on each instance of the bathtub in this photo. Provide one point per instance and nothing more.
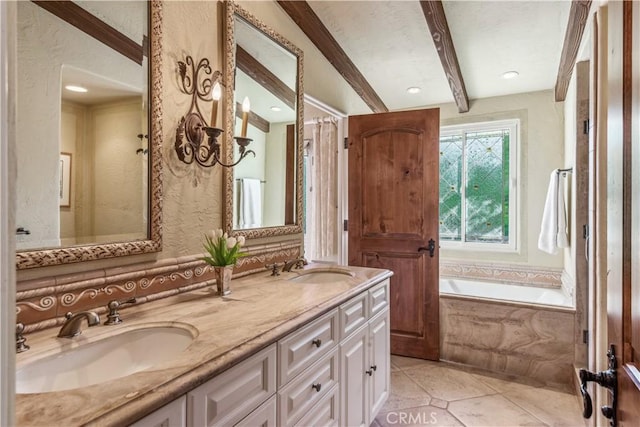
(555, 297)
(515, 330)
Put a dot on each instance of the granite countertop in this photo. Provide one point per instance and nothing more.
(260, 310)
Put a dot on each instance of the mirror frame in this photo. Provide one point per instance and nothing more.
(231, 10)
(79, 253)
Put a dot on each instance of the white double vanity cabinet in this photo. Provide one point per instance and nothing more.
(331, 371)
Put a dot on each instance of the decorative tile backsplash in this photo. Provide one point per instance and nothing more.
(503, 273)
(43, 303)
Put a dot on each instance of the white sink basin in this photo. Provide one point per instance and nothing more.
(318, 275)
(104, 359)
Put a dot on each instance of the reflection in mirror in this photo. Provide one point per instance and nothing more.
(86, 155)
(264, 193)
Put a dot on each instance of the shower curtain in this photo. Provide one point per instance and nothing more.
(322, 187)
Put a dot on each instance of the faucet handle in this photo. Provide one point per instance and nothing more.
(113, 318)
(275, 268)
(20, 339)
(301, 262)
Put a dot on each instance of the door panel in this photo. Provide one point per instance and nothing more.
(623, 204)
(393, 213)
(394, 184)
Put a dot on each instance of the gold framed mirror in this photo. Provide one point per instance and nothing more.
(53, 238)
(262, 195)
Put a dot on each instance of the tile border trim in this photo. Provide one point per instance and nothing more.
(504, 273)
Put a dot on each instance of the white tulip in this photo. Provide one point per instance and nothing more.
(241, 240)
(218, 233)
(225, 236)
(231, 242)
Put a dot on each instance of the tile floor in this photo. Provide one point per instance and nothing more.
(427, 393)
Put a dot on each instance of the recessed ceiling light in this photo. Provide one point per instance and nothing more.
(510, 75)
(413, 89)
(73, 88)
(275, 108)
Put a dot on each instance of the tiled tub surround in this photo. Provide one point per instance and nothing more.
(43, 303)
(524, 339)
(260, 310)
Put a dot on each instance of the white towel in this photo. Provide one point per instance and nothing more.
(250, 203)
(553, 230)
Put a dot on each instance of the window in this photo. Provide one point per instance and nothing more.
(477, 185)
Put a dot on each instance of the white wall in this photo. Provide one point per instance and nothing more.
(276, 166)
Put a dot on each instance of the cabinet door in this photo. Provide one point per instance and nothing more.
(232, 395)
(379, 362)
(172, 414)
(353, 379)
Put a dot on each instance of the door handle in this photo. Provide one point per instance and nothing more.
(431, 247)
(607, 379)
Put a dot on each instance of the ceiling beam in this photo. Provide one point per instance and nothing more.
(94, 27)
(573, 36)
(312, 26)
(261, 74)
(437, 22)
(254, 120)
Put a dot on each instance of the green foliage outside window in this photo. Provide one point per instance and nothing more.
(474, 180)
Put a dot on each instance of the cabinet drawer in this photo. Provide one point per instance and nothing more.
(301, 348)
(264, 416)
(299, 396)
(325, 413)
(172, 414)
(230, 396)
(353, 314)
(378, 298)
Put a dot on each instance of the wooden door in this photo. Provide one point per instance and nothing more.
(393, 218)
(623, 206)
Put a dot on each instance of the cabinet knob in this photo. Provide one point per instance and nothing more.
(369, 372)
(317, 342)
(317, 386)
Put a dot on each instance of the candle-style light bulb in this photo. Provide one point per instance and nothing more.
(246, 107)
(216, 92)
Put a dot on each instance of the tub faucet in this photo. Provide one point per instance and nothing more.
(71, 326)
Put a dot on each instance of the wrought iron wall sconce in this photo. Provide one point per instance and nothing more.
(195, 140)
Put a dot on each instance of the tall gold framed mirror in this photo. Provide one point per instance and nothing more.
(262, 194)
(88, 162)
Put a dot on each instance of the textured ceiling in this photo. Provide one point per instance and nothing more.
(389, 42)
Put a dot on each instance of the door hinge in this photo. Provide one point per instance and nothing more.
(345, 225)
(585, 127)
(585, 336)
(346, 143)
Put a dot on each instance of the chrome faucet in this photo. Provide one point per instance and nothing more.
(298, 262)
(71, 326)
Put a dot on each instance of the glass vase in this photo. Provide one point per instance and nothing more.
(223, 279)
